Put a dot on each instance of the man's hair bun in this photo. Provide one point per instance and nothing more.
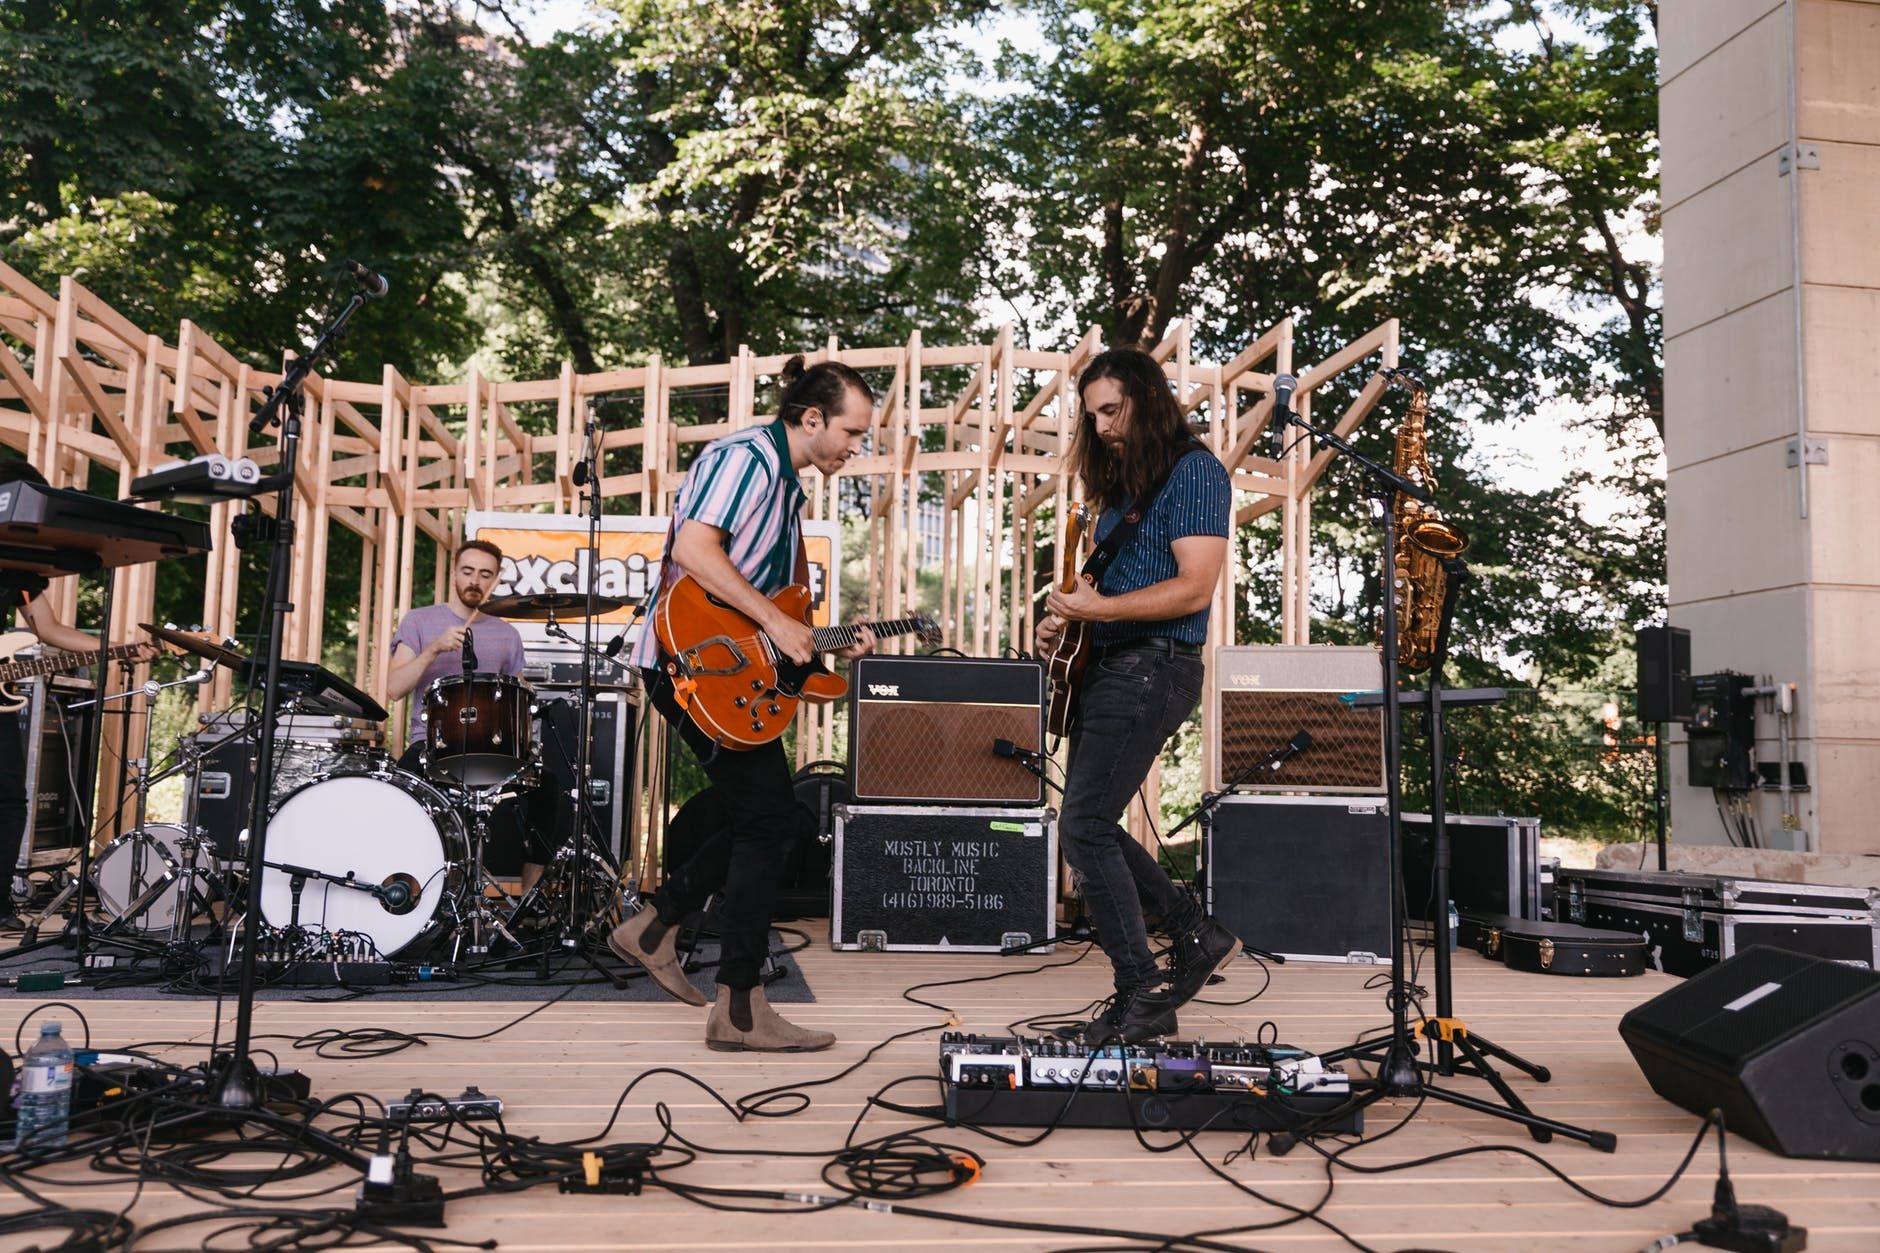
(792, 370)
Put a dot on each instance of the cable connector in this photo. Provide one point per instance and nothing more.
(597, 1174)
(1749, 1228)
(396, 1195)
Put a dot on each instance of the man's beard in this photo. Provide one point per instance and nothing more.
(470, 595)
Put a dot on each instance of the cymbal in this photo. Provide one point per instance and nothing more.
(201, 645)
(543, 605)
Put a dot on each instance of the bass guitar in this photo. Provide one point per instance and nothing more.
(732, 680)
(1071, 651)
(14, 642)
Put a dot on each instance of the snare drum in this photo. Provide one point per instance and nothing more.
(479, 730)
(394, 836)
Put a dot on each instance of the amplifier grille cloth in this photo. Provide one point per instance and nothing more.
(1347, 752)
(943, 751)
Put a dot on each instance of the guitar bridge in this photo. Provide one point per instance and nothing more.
(689, 658)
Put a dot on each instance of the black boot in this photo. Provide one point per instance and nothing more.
(1137, 1015)
(1195, 956)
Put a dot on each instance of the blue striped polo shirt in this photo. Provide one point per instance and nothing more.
(744, 485)
(1198, 499)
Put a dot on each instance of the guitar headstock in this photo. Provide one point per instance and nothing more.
(928, 630)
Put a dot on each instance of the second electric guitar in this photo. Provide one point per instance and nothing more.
(1072, 651)
(731, 678)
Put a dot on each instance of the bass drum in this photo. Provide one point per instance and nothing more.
(392, 835)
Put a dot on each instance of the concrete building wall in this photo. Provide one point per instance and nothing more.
(1769, 116)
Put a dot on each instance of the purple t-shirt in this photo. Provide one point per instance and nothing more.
(498, 647)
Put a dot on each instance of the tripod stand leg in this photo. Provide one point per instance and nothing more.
(1484, 1070)
(1604, 1141)
(1488, 1048)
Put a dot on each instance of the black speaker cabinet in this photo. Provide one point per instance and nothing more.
(1786, 1045)
(1664, 673)
(922, 730)
(1304, 876)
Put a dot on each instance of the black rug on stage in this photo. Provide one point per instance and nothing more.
(138, 976)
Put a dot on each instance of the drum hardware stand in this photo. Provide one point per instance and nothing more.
(480, 916)
(1398, 1069)
(239, 1088)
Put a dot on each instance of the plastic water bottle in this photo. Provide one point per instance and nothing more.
(1455, 926)
(45, 1111)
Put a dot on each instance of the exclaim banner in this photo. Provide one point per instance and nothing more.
(549, 553)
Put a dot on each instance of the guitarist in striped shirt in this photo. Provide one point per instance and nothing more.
(1166, 503)
(737, 531)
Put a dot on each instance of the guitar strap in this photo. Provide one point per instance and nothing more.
(1125, 530)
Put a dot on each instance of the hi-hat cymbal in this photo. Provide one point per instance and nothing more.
(201, 644)
(544, 605)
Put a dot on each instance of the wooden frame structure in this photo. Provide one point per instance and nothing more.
(971, 440)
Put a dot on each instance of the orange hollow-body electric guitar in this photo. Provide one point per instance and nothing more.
(732, 680)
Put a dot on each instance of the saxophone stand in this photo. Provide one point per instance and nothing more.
(1394, 1056)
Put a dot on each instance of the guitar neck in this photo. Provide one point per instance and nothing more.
(830, 638)
(54, 663)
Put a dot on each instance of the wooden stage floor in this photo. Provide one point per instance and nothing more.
(560, 1073)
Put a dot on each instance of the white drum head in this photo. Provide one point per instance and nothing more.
(373, 827)
(128, 866)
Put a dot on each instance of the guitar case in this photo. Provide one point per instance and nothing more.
(1554, 948)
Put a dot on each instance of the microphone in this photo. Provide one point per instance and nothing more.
(373, 285)
(1006, 748)
(395, 894)
(581, 472)
(1283, 387)
(1299, 743)
(469, 652)
(615, 645)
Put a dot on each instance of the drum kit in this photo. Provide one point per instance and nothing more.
(363, 858)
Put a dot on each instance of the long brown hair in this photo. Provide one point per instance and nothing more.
(1155, 435)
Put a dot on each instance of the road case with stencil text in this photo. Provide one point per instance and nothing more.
(933, 878)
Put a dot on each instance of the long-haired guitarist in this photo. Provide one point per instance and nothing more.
(20, 591)
(1166, 504)
(737, 532)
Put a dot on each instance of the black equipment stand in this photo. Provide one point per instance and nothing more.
(239, 1088)
(1399, 1071)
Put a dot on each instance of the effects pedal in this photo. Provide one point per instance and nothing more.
(418, 1105)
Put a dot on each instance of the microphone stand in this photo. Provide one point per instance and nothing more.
(1394, 1056)
(241, 1090)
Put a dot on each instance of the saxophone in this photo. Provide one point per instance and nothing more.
(1426, 545)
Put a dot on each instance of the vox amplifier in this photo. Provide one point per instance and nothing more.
(925, 729)
(1265, 694)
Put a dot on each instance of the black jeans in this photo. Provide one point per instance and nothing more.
(760, 798)
(1134, 697)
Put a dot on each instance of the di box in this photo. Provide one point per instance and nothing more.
(1494, 866)
(1304, 876)
(1695, 921)
(926, 877)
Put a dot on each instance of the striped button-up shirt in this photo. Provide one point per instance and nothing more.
(745, 486)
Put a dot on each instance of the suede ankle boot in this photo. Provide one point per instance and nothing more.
(645, 941)
(743, 1021)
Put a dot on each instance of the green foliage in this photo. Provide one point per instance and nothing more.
(687, 177)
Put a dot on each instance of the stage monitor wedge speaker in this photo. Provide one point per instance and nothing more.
(1785, 1044)
(1664, 673)
(922, 730)
(1264, 694)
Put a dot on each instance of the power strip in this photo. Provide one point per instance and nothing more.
(471, 1106)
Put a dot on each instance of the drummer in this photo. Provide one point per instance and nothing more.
(429, 645)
